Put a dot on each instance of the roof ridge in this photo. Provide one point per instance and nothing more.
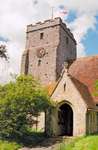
(87, 57)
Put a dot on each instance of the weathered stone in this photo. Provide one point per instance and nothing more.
(50, 46)
(59, 45)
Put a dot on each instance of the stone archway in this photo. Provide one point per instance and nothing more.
(65, 119)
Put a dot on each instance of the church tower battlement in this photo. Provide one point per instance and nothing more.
(49, 45)
(47, 24)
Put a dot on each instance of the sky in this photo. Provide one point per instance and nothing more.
(81, 16)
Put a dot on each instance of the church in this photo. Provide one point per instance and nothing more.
(51, 56)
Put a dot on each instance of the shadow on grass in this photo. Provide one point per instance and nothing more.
(37, 139)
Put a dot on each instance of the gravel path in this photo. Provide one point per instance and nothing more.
(39, 148)
(48, 144)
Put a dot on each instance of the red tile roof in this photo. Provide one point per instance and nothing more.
(85, 71)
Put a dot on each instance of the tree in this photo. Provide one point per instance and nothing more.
(18, 101)
(3, 52)
(96, 89)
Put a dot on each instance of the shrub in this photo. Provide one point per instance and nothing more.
(18, 101)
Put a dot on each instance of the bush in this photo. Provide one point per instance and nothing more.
(5, 145)
(18, 101)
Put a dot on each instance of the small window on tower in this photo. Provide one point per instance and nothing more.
(41, 35)
(39, 62)
(67, 40)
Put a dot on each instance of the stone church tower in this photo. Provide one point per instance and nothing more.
(49, 45)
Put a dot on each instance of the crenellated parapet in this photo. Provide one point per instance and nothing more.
(50, 23)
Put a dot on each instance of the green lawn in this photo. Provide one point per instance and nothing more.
(5, 145)
(30, 140)
(83, 143)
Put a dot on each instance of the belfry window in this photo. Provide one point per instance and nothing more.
(39, 62)
(41, 35)
(67, 40)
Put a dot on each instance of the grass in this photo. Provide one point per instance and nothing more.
(83, 143)
(34, 139)
(31, 139)
(8, 145)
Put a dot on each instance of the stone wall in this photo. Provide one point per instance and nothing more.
(25, 62)
(66, 50)
(72, 97)
(39, 124)
(50, 35)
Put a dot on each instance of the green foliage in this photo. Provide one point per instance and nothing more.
(5, 145)
(19, 101)
(96, 89)
(83, 143)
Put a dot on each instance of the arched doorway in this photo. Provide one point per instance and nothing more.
(65, 119)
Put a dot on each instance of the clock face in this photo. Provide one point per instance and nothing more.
(41, 52)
